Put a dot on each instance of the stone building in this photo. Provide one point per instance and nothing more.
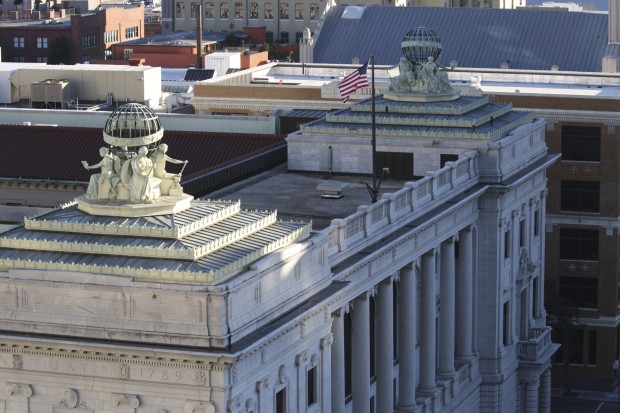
(430, 299)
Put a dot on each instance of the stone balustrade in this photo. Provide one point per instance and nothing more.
(414, 199)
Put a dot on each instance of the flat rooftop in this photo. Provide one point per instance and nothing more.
(489, 81)
(295, 195)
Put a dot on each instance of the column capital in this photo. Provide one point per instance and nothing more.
(262, 385)
(327, 341)
(433, 251)
(342, 310)
(301, 358)
(451, 239)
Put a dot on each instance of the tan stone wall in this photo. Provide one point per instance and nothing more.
(258, 92)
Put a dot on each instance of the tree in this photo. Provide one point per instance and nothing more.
(563, 317)
(232, 40)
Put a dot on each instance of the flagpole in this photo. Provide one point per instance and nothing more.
(374, 190)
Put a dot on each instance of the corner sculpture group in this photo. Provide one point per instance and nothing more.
(141, 178)
(428, 77)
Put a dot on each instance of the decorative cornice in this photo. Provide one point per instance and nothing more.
(122, 357)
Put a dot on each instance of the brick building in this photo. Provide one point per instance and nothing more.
(72, 39)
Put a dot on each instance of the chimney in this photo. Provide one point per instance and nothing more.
(198, 36)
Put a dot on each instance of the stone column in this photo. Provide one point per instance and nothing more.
(360, 349)
(447, 281)
(428, 316)
(337, 365)
(326, 363)
(385, 347)
(407, 322)
(544, 396)
(465, 296)
(531, 397)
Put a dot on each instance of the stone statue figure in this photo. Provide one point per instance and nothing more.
(434, 77)
(160, 158)
(140, 183)
(405, 81)
(102, 185)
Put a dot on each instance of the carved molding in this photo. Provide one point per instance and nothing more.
(124, 371)
(282, 375)
(262, 385)
(201, 377)
(198, 406)
(72, 401)
(12, 389)
(301, 358)
(327, 341)
(17, 361)
(119, 399)
(234, 405)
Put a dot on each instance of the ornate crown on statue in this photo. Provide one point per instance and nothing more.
(133, 180)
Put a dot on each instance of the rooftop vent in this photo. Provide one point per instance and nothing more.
(332, 189)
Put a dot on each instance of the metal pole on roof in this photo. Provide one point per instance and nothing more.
(376, 183)
(198, 35)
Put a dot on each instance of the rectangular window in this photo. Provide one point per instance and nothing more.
(536, 222)
(111, 36)
(269, 37)
(90, 40)
(582, 292)
(253, 11)
(127, 53)
(312, 386)
(193, 10)
(581, 196)
(41, 59)
(209, 11)
(592, 348)
(180, 10)
(281, 401)
(576, 348)
(507, 244)
(581, 143)
(314, 11)
(579, 244)
(284, 37)
(446, 157)
(522, 233)
(223, 10)
(506, 329)
(41, 42)
(299, 11)
(18, 42)
(269, 11)
(239, 11)
(284, 12)
(298, 37)
(131, 32)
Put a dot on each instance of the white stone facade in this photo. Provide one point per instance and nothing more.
(429, 300)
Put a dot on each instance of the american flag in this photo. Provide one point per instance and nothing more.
(353, 81)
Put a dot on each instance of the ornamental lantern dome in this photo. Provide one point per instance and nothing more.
(131, 126)
(420, 43)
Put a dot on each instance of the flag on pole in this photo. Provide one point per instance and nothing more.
(353, 81)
